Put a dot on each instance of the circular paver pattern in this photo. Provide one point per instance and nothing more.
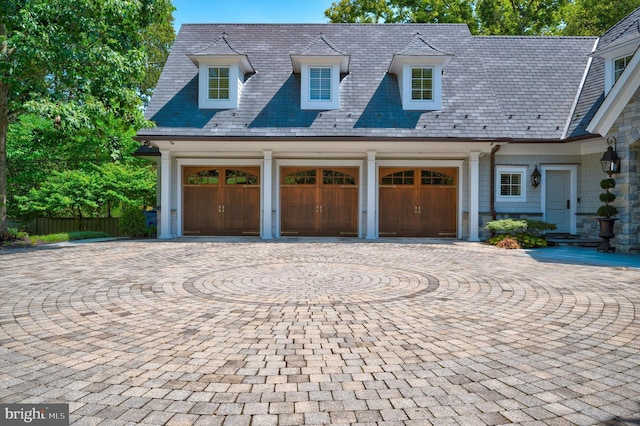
(317, 332)
(311, 284)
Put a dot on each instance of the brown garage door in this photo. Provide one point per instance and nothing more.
(221, 200)
(319, 201)
(418, 202)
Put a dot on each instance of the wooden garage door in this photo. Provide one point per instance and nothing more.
(319, 201)
(418, 202)
(221, 201)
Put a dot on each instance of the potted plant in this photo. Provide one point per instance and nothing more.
(605, 213)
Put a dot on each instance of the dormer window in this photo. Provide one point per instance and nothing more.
(617, 57)
(218, 83)
(619, 66)
(320, 66)
(221, 75)
(419, 70)
(319, 84)
(422, 84)
(320, 87)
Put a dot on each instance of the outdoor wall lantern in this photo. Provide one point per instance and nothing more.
(610, 160)
(536, 177)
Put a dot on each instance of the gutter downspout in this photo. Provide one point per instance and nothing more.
(492, 189)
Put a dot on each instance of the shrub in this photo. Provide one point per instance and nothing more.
(132, 222)
(526, 232)
(508, 243)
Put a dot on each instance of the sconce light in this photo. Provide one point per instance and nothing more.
(536, 177)
(610, 160)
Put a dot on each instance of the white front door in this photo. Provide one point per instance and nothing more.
(558, 208)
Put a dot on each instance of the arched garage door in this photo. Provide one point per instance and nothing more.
(418, 202)
(221, 201)
(319, 201)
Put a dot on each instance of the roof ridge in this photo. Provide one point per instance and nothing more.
(426, 49)
(320, 38)
(216, 43)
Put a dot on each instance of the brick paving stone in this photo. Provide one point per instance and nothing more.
(313, 331)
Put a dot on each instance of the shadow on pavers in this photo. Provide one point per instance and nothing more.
(584, 256)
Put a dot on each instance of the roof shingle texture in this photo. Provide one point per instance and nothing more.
(494, 87)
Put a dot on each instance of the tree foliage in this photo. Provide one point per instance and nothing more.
(519, 17)
(491, 17)
(595, 17)
(77, 71)
(94, 191)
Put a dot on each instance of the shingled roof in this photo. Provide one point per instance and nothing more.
(494, 87)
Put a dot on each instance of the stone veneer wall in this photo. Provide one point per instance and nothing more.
(627, 133)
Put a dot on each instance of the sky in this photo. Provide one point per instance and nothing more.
(249, 11)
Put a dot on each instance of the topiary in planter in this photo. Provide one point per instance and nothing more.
(607, 197)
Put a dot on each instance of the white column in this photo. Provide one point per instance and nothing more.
(266, 186)
(165, 194)
(474, 191)
(372, 211)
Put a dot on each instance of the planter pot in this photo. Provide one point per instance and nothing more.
(606, 233)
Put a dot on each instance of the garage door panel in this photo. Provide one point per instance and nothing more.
(221, 201)
(397, 211)
(339, 210)
(203, 200)
(242, 210)
(418, 202)
(298, 207)
(319, 201)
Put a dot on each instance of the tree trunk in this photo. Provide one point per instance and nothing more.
(4, 125)
(4, 128)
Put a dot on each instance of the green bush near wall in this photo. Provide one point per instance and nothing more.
(529, 233)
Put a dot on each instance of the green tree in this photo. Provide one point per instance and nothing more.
(94, 191)
(436, 11)
(523, 17)
(594, 17)
(78, 63)
(37, 147)
(360, 11)
(157, 39)
(499, 17)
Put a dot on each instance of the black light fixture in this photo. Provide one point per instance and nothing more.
(610, 160)
(536, 177)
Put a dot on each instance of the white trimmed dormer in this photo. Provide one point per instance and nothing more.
(617, 56)
(419, 70)
(221, 75)
(320, 66)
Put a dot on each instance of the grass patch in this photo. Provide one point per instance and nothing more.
(15, 238)
(66, 236)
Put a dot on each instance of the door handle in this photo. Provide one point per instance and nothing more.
(417, 210)
(318, 209)
(568, 204)
(220, 209)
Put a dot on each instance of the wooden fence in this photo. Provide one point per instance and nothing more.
(45, 226)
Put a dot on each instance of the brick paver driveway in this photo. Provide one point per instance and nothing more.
(317, 332)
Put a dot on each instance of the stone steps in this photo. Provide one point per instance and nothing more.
(565, 239)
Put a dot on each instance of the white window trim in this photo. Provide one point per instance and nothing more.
(610, 55)
(305, 98)
(404, 82)
(235, 85)
(209, 82)
(521, 170)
